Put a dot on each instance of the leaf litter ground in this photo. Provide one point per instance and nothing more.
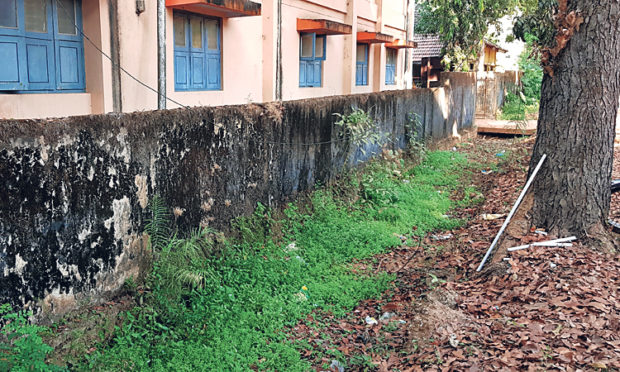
(545, 309)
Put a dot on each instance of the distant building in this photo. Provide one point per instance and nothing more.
(427, 60)
(488, 60)
(427, 66)
(76, 57)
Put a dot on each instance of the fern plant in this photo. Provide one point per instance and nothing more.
(183, 263)
(158, 224)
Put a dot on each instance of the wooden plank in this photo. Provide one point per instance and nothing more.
(496, 130)
(505, 127)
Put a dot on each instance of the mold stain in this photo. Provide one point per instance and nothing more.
(75, 193)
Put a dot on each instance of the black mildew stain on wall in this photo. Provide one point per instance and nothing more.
(65, 183)
(54, 214)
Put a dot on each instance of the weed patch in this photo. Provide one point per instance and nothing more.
(517, 110)
(230, 310)
(21, 345)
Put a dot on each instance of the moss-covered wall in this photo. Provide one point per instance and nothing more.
(74, 191)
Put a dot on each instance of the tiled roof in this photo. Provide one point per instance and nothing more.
(428, 46)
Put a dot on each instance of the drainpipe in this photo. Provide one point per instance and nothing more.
(161, 54)
(350, 47)
(409, 21)
(279, 53)
(117, 102)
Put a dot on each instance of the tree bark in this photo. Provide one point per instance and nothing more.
(578, 110)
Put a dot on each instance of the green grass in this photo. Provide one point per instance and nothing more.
(515, 109)
(236, 319)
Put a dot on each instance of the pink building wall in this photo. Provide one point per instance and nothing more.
(247, 60)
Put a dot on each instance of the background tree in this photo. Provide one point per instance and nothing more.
(424, 22)
(536, 21)
(578, 109)
(529, 64)
(461, 25)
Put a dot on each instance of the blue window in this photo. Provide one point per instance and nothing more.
(311, 57)
(41, 46)
(390, 66)
(361, 64)
(197, 53)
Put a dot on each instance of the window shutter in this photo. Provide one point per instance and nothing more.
(389, 74)
(309, 64)
(317, 74)
(40, 66)
(69, 65)
(213, 71)
(302, 74)
(181, 70)
(309, 74)
(68, 53)
(198, 71)
(213, 55)
(13, 71)
(46, 51)
(365, 74)
(40, 62)
(197, 56)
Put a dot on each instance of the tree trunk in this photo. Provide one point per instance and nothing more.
(578, 110)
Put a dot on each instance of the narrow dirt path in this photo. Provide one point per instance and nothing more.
(545, 309)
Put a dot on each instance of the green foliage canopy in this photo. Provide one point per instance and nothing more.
(462, 25)
(424, 22)
(529, 63)
(536, 22)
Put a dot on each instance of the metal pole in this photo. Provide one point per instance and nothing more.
(512, 212)
(279, 52)
(161, 54)
(409, 22)
(115, 57)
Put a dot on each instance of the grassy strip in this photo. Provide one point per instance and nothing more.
(515, 109)
(233, 316)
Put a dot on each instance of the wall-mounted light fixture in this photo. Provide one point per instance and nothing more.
(140, 6)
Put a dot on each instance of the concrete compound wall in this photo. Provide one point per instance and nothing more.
(74, 191)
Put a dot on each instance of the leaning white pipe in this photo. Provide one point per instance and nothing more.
(552, 245)
(548, 243)
(540, 245)
(512, 212)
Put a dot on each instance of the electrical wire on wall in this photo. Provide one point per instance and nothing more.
(118, 65)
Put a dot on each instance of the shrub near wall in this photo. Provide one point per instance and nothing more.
(74, 190)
